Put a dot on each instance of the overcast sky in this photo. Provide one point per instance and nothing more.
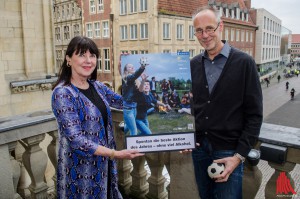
(286, 10)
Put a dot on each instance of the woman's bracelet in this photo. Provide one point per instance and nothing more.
(112, 155)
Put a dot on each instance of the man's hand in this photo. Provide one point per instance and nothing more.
(230, 164)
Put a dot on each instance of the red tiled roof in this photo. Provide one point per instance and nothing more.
(180, 7)
(295, 38)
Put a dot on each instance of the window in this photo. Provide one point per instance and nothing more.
(66, 32)
(191, 32)
(124, 51)
(133, 52)
(179, 31)
(97, 29)
(251, 36)
(242, 35)
(179, 50)
(123, 32)
(68, 10)
(63, 12)
(123, 7)
(166, 30)
(133, 6)
(133, 31)
(106, 60)
(76, 30)
(247, 36)
(92, 6)
(226, 34)
(57, 34)
(232, 35)
(143, 5)
(89, 30)
(144, 31)
(100, 6)
(166, 51)
(237, 36)
(192, 53)
(144, 52)
(105, 29)
(99, 61)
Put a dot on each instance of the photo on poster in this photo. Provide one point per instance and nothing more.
(157, 99)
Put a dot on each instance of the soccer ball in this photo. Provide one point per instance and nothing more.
(215, 169)
(144, 61)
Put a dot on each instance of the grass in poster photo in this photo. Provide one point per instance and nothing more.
(163, 103)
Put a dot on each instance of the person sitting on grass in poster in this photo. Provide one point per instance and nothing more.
(146, 100)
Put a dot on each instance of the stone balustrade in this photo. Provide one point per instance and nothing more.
(29, 130)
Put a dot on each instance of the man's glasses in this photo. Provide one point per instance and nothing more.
(208, 31)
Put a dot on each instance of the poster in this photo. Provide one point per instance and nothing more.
(157, 101)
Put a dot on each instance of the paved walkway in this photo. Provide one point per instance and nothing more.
(279, 109)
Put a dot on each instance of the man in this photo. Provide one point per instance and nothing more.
(227, 108)
(153, 85)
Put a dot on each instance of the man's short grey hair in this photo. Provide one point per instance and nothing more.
(214, 9)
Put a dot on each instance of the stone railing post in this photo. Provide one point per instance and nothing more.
(52, 150)
(139, 186)
(156, 181)
(124, 166)
(6, 173)
(251, 181)
(35, 162)
(16, 168)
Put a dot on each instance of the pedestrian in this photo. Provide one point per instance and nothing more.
(287, 85)
(86, 148)
(278, 78)
(227, 100)
(292, 93)
(267, 81)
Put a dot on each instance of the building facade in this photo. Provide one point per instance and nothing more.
(295, 46)
(268, 39)
(26, 56)
(67, 15)
(152, 26)
(97, 25)
(239, 28)
(285, 46)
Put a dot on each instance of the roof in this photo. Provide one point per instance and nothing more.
(179, 7)
(295, 38)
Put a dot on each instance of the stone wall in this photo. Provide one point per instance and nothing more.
(26, 53)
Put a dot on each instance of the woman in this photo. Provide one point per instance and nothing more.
(130, 90)
(80, 103)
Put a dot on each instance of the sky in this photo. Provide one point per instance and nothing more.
(161, 65)
(288, 11)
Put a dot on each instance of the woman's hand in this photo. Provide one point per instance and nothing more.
(127, 154)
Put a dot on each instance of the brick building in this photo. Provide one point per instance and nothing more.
(97, 25)
(295, 46)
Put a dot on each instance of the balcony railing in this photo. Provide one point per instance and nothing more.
(24, 160)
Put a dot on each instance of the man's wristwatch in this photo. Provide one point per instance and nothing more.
(239, 156)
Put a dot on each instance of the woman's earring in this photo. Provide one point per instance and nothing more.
(68, 65)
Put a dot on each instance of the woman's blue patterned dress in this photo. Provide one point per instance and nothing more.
(80, 174)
